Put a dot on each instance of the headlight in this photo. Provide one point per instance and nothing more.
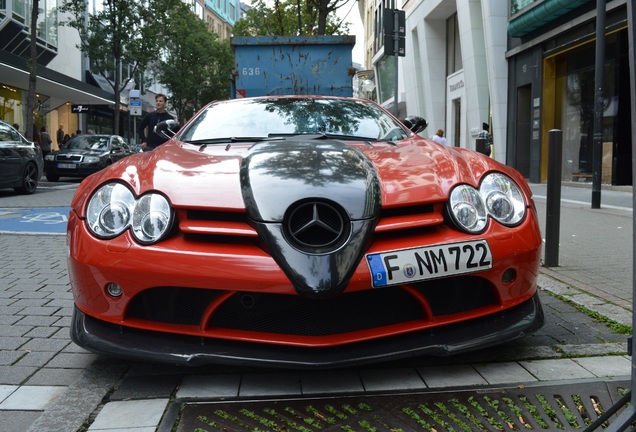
(468, 208)
(498, 197)
(49, 157)
(113, 209)
(151, 218)
(503, 198)
(91, 159)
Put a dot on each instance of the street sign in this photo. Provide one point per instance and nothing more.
(393, 32)
(134, 107)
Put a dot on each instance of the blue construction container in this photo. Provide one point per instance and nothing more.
(296, 65)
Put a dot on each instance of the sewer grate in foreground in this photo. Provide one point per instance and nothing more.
(548, 408)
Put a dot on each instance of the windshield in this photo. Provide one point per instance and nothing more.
(87, 142)
(347, 118)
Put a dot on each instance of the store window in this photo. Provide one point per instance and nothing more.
(576, 111)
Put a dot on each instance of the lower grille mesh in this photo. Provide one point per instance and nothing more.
(296, 315)
(318, 317)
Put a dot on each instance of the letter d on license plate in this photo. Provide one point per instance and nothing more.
(417, 264)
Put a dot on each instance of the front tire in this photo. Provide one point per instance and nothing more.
(52, 177)
(29, 180)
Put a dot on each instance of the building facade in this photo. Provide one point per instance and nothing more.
(68, 94)
(455, 71)
(61, 87)
(551, 66)
(523, 67)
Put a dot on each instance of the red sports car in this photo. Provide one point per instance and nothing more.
(301, 231)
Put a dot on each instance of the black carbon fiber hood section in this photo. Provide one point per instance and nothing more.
(279, 178)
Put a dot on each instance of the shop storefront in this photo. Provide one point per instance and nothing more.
(55, 95)
(552, 86)
(573, 73)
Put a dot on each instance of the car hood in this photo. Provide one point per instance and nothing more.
(414, 171)
(81, 152)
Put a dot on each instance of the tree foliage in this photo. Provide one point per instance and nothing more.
(292, 18)
(123, 33)
(195, 66)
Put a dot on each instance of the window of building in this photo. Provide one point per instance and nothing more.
(453, 46)
(575, 111)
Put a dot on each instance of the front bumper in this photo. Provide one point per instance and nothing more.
(120, 341)
(81, 169)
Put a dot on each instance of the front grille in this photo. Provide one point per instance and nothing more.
(317, 317)
(223, 226)
(68, 158)
(296, 315)
(456, 295)
(171, 305)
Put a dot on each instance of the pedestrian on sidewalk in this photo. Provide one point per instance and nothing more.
(439, 137)
(45, 141)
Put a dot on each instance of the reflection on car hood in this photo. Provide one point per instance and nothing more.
(82, 152)
(413, 171)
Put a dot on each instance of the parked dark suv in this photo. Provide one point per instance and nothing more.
(20, 161)
(83, 155)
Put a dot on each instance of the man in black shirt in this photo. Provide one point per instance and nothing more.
(152, 140)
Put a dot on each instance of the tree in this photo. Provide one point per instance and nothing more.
(124, 33)
(292, 18)
(195, 66)
(33, 65)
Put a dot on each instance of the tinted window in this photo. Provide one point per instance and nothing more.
(86, 142)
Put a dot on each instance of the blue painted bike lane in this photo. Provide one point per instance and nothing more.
(44, 220)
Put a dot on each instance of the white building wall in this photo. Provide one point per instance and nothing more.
(482, 32)
(68, 60)
(495, 18)
(424, 66)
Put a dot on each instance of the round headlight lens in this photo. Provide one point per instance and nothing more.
(468, 209)
(498, 197)
(504, 200)
(113, 209)
(108, 212)
(151, 219)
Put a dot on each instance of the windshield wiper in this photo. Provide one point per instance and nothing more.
(234, 139)
(322, 135)
(228, 140)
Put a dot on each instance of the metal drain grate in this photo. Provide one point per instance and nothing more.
(550, 408)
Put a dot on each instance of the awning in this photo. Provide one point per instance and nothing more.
(58, 87)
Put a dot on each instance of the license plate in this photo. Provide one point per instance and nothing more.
(417, 264)
(66, 165)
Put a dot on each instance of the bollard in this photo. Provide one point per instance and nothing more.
(480, 145)
(553, 198)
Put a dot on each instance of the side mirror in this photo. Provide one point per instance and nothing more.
(167, 128)
(415, 124)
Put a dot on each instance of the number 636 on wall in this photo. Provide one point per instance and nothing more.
(251, 71)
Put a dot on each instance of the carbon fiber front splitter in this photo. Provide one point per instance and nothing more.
(125, 342)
